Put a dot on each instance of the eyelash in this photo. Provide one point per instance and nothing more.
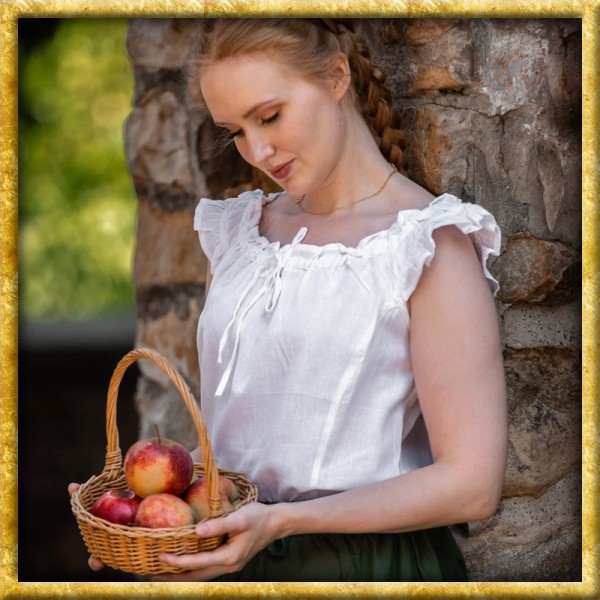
(268, 121)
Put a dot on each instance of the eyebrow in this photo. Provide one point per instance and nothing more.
(252, 110)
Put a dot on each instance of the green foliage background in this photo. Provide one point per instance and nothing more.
(77, 207)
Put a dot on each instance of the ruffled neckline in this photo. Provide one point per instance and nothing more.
(333, 247)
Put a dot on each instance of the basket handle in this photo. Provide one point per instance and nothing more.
(114, 458)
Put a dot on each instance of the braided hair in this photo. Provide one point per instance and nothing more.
(374, 97)
(310, 46)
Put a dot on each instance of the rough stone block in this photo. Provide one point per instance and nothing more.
(529, 539)
(425, 31)
(544, 405)
(436, 78)
(430, 147)
(168, 251)
(435, 54)
(157, 142)
(160, 43)
(532, 326)
(175, 339)
(511, 62)
(543, 173)
(538, 271)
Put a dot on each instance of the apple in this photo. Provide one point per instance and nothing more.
(117, 506)
(197, 496)
(227, 487)
(164, 510)
(158, 465)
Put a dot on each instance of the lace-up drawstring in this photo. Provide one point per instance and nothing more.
(272, 286)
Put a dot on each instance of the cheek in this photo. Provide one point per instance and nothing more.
(325, 134)
(326, 117)
(303, 131)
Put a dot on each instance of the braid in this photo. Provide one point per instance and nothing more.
(374, 97)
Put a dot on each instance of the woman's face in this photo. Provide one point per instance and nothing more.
(281, 123)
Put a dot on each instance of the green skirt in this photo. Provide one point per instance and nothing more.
(426, 555)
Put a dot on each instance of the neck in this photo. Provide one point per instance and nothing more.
(359, 172)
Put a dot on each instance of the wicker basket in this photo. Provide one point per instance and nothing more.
(136, 549)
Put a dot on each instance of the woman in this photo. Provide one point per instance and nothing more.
(349, 346)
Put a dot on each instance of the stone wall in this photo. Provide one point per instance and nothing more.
(493, 113)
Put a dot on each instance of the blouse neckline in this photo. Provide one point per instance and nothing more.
(338, 247)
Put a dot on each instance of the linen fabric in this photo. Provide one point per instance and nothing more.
(306, 379)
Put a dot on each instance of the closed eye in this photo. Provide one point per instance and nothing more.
(239, 132)
(233, 134)
(270, 119)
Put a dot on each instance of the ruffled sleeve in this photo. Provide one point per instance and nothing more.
(419, 247)
(221, 223)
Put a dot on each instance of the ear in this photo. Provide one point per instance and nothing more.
(340, 76)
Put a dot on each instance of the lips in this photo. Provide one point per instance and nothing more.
(282, 171)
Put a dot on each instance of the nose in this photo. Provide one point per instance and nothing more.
(259, 148)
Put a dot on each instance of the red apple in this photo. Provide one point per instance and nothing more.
(158, 465)
(197, 496)
(117, 506)
(164, 510)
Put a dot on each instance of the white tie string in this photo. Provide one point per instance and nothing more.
(272, 272)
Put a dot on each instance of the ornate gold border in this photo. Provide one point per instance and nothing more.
(11, 10)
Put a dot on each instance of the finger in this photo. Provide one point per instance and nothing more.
(188, 562)
(95, 563)
(219, 557)
(219, 526)
(72, 487)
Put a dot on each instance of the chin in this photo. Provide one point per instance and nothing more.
(294, 187)
(290, 190)
(292, 184)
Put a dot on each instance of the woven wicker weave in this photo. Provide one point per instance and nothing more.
(136, 549)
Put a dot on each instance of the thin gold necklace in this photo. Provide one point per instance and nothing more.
(301, 197)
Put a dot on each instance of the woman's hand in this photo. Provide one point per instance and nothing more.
(249, 529)
(94, 563)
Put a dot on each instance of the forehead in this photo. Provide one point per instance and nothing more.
(233, 85)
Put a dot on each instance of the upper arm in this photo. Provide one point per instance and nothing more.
(457, 360)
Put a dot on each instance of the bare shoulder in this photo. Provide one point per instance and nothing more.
(449, 239)
(407, 194)
(454, 275)
(455, 252)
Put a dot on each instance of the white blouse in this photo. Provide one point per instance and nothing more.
(306, 380)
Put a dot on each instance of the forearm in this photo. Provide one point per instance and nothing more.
(429, 497)
(432, 496)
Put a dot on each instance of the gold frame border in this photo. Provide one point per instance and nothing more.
(10, 11)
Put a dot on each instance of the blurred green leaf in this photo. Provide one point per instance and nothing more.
(77, 208)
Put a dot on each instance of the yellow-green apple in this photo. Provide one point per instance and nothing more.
(227, 487)
(164, 510)
(158, 465)
(197, 496)
(117, 506)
